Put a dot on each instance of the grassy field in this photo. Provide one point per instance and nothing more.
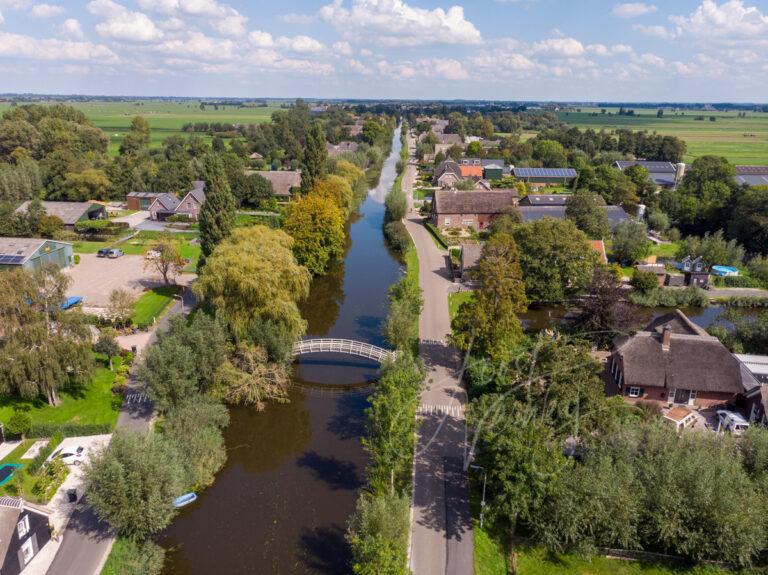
(94, 404)
(151, 305)
(741, 140)
(165, 117)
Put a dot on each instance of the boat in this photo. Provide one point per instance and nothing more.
(185, 499)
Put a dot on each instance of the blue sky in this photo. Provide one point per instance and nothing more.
(676, 50)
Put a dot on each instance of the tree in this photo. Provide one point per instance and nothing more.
(90, 184)
(254, 277)
(249, 378)
(604, 313)
(714, 249)
(120, 307)
(489, 323)
(645, 188)
(317, 228)
(19, 424)
(556, 259)
(168, 261)
(132, 483)
(217, 216)
(137, 137)
(378, 534)
(506, 221)
(254, 190)
(336, 189)
(644, 281)
(135, 558)
(107, 344)
(758, 268)
(405, 303)
(658, 220)
(396, 204)
(749, 221)
(587, 211)
(372, 132)
(550, 153)
(614, 186)
(315, 157)
(630, 241)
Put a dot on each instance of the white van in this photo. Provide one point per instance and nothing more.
(731, 421)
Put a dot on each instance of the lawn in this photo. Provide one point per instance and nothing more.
(412, 264)
(96, 404)
(165, 118)
(665, 250)
(143, 242)
(455, 300)
(152, 304)
(741, 140)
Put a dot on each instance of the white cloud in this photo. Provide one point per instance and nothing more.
(728, 20)
(599, 49)
(71, 28)
(233, 24)
(648, 59)
(621, 49)
(172, 24)
(198, 45)
(343, 48)
(297, 18)
(655, 31)
(120, 23)
(301, 44)
(261, 39)
(633, 9)
(450, 69)
(221, 17)
(567, 47)
(395, 23)
(46, 10)
(2, 19)
(359, 67)
(22, 46)
(366, 53)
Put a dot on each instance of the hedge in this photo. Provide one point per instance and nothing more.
(666, 297)
(69, 429)
(437, 235)
(100, 226)
(737, 282)
(44, 453)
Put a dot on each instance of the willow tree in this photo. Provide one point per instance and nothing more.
(217, 216)
(253, 277)
(317, 227)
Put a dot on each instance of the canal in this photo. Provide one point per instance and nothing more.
(281, 503)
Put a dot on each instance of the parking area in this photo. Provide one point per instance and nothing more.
(94, 278)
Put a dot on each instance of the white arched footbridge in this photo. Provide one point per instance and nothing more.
(347, 346)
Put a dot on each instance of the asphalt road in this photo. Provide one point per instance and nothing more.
(88, 541)
(441, 527)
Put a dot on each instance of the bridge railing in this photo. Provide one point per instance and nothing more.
(338, 345)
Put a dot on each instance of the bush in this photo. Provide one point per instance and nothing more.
(19, 423)
(69, 429)
(689, 297)
(745, 301)
(129, 557)
(77, 259)
(178, 218)
(39, 460)
(397, 236)
(437, 235)
(758, 267)
(378, 534)
(644, 281)
(104, 227)
(50, 479)
(737, 282)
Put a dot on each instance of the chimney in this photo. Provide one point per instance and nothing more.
(666, 337)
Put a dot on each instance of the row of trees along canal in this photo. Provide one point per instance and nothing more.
(236, 347)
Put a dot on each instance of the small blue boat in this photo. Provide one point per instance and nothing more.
(185, 499)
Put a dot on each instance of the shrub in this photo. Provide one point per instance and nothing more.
(178, 218)
(397, 236)
(19, 423)
(69, 429)
(77, 259)
(737, 281)
(52, 476)
(104, 227)
(644, 281)
(758, 267)
(39, 459)
(129, 557)
(689, 297)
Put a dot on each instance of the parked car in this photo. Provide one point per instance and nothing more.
(731, 421)
(72, 455)
(114, 253)
(102, 253)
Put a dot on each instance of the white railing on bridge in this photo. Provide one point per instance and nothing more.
(335, 345)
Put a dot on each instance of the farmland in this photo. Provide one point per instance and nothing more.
(741, 140)
(165, 117)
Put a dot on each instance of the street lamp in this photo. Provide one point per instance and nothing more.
(482, 502)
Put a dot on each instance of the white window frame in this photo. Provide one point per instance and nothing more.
(27, 551)
(692, 397)
(467, 221)
(447, 221)
(23, 526)
(635, 391)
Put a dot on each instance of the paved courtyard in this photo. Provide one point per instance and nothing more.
(94, 278)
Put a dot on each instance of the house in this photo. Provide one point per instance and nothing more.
(752, 175)
(70, 212)
(140, 201)
(163, 207)
(355, 129)
(446, 141)
(284, 182)
(695, 270)
(193, 201)
(493, 171)
(23, 533)
(756, 364)
(447, 174)
(754, 403)
(545, 200)
(468, 261)
(31, 253)
(674, 361)
(663, 174)
(471, 171)
(335, 150)
(599, 247)
(659, 270)
(256, 156)
(475, 208)
(539, 177)
(532, 213)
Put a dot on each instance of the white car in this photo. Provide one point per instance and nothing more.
(72, 455)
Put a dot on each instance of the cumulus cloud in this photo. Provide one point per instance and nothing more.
(732, 19)
(633, 9)
(655, 31)
(22, 46)
(71, 28)
(119, 23)
(566, 47)
(359, 67)
(648, 59)
(221, 17)
(395, 23)
(2, 19)
(343, 48)
(198, 45)
(261, 39)
(301, 44)
(46, 10)
(450, 69)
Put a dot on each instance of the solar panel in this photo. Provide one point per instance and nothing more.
(11, 259)
(545, 172)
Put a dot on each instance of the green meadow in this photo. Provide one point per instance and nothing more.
(165, 118)
(741, 140)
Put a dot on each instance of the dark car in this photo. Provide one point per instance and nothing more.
(102, 253)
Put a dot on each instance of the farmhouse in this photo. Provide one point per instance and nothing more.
(70, 212)
(663, 174)
(447, 174)
(754, 403)
(545, 200)
(674, 361)
(191, 204)
(752, 175)
(539, 177)
(23, 533)
(30, 253)
(141, 200)
(473, 208)
(163, 207)
(284, 182)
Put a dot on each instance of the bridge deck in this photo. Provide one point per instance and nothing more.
(336, 345)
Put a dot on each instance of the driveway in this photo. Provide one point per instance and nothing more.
(94, 278)
(134, 220)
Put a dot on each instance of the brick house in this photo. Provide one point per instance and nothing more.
(674, 361)
(192, 203)
(141, 200)
(163, 207)
(447, 174)
(475, 208)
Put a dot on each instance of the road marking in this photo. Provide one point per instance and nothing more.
(136, 397)
(454, 410)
